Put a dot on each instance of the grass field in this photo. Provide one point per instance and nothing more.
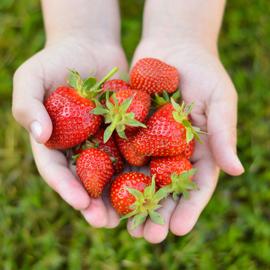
(39, 231)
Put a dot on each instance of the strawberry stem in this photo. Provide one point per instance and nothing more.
(88, 88)
(105, 78)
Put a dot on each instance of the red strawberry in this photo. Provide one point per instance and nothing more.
(115, 85)
(168, 132)
(133, 194)
(190, 149)
(154, 76)
(94, 168)
(124, 110)
(163, 167)
(175, 172)
(70, 111)
(127, 150)
(71, 118)
(110, 148)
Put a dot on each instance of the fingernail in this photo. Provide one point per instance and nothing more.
(239, 165)
(36, 130)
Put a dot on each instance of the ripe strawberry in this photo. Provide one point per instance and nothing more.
(163, 167)
(124, 110)
(133, 194)
(189, 149)
(109, 147)
(175, 172)
(115, 85)
(127, 150)
(70, 111)
(71, 118)
(168, 132)
(154, 76)
(94, 168)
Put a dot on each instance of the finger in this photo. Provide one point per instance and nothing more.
(137, 232)
(155, 233)
(27, 107)
(221, 125)
(96, 213)
(188, 211)
(52, 166)
(113, 217)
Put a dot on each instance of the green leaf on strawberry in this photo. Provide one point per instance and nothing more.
(90, 87)
(182, 184)
(117, 116)
(181, 114)
(146, 204)
(161, 99)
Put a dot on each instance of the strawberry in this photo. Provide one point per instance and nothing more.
(168, 131)
(70, 111)
(133, 194)
(189, 149)
(71, 118)
(127, 150)
(115, 85)
(175, 172)
(109, 148)
(124, 110)
(154, 76)
(94, 168)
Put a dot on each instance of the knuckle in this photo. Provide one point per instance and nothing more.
(20, 72)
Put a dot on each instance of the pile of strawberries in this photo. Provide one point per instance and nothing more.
(111, 122)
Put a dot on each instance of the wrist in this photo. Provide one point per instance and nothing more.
(96, 36)
(183, 41)
(82, 19)
(193, 22)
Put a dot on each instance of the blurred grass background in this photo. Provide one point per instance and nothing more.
(39, 231)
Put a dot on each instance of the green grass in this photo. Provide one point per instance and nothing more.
(39, 231)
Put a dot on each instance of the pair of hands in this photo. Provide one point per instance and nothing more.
(203, 81)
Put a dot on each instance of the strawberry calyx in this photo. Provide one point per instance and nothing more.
(164, 98)
(116, 116)
(90, 87)
(146, 204)
(89, 143)
(74, 158)
(182, 184)
(80, 148)
(180, 114)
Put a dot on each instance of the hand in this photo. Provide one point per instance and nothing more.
(204, 82)
(32, 82)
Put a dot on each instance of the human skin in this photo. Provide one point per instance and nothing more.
(184, 34)
(81, 39)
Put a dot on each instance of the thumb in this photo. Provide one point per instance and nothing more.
(27, 104)
(221, 126)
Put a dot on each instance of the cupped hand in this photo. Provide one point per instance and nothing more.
(33, 81)
(204, 82)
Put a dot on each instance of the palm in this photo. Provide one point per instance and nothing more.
(53, 63)
(204, 82)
